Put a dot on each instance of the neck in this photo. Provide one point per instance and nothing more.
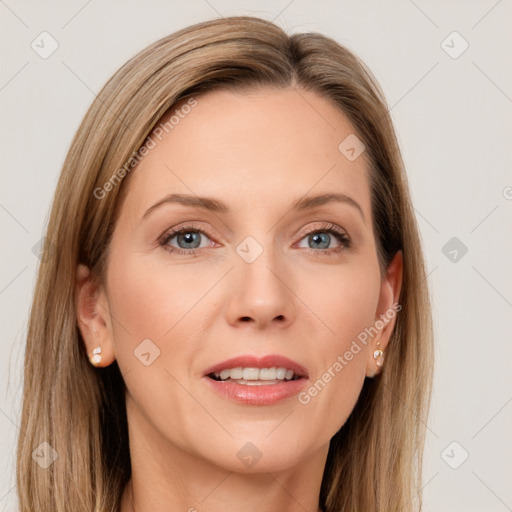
(130, 504)
(167, 477)
(262, 492)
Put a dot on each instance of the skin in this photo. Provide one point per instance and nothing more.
(257, 152)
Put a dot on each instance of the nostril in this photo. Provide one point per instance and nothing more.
(246, 319)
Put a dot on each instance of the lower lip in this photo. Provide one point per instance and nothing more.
(257, 394)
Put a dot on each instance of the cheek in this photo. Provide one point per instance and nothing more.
(152, 311)
(344, 298)
(346, 301)
(149, 298)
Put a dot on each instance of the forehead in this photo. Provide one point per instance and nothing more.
(260, 148)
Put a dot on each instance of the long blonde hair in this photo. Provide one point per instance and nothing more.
(375, 460)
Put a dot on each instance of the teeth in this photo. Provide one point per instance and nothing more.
(257, 382)
(269, 374)
(256, 374)
(236, 373)
(281, 373)
(224, 374)
(251, 373)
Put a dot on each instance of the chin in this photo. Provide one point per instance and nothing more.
(260, 453)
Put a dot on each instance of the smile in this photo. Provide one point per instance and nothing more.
(252, 380)
(256, 376)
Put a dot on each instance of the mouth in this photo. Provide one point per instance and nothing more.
(251, 376)
(257, 381)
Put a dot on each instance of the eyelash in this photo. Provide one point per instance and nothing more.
(329, 228)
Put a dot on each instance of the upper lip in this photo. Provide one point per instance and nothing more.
(251, 361)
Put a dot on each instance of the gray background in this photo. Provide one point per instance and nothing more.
(453, 117)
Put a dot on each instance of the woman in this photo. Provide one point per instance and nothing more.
(236, 314)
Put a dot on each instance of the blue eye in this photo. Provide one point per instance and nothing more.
(191, 239)
(188, 239)
(321, 240)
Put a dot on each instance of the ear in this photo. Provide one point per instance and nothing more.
(387, 310)
(93, 316)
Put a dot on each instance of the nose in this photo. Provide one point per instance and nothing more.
(260, 294)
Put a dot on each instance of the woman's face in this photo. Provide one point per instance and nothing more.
(261, 270)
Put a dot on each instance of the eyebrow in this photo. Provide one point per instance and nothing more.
(214, 205)
(307, 202)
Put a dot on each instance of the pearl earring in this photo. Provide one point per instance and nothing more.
(95, 359)
(378, 355)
